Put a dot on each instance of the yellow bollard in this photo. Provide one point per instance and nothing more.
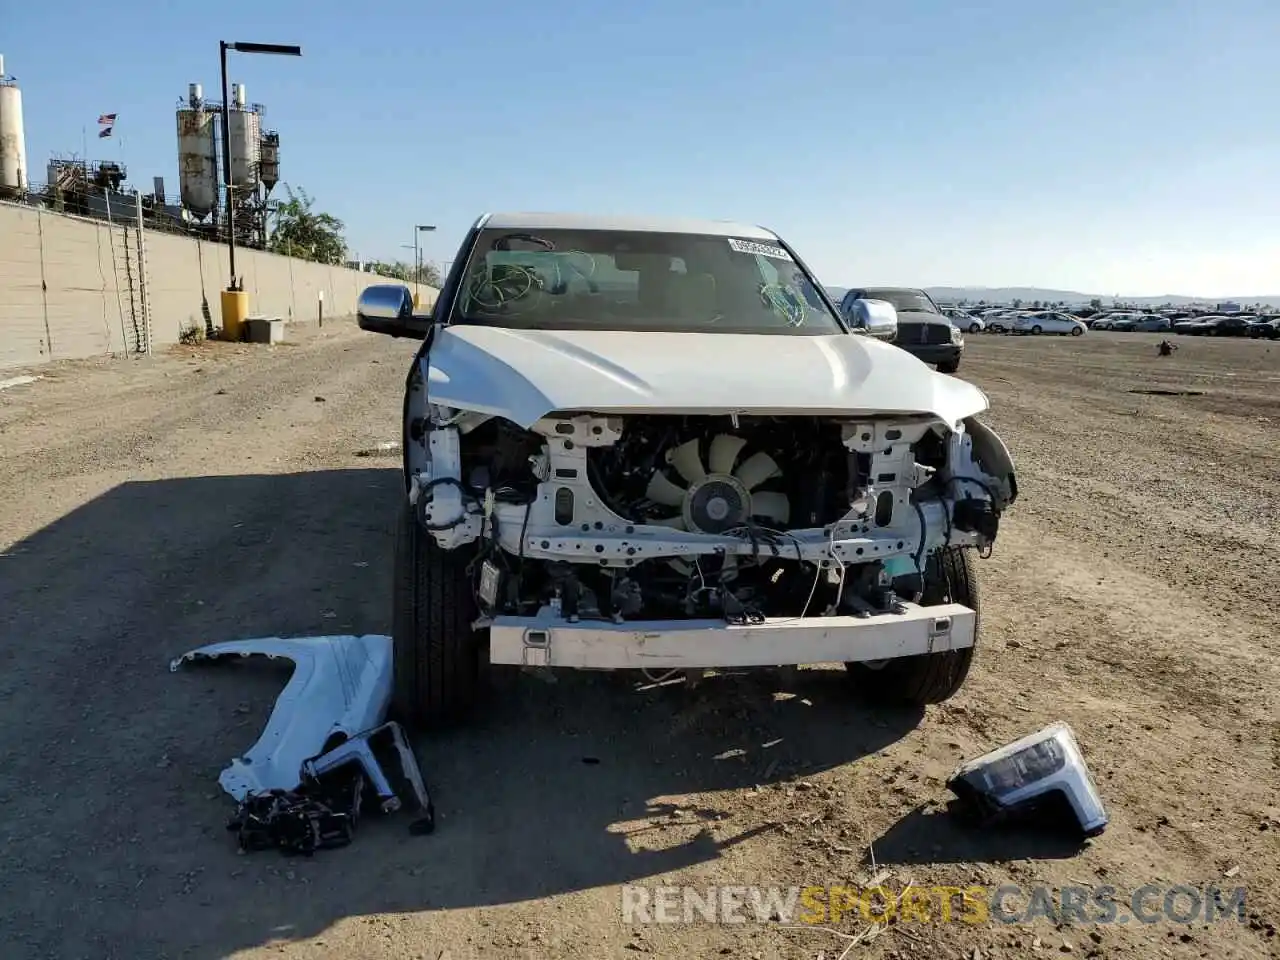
(235, 307)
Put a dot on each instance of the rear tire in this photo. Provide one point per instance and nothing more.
(1036, 330)
(975, 328)
(441, 664)
(951, 366)
(950, 577)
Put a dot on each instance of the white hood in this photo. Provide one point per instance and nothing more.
(522, 375)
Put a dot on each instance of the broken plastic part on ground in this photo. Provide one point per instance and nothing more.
(1032, 773)
(340, 688)
(324, 810)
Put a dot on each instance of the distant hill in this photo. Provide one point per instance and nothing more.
(1043, 294)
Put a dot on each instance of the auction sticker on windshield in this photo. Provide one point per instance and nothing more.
(764, 249)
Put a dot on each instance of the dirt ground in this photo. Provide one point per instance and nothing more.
(217, 492)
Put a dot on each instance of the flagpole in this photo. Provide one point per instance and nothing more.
(84, 143)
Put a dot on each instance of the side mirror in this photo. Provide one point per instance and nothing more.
(388, 308)
(875, 318)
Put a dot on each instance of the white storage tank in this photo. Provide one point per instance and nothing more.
(197, 155)
(246, 148)
(13, 138)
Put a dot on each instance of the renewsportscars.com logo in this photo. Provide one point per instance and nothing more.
(1151, 903)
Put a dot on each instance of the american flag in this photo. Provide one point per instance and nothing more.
(104, 132)
(106, 119)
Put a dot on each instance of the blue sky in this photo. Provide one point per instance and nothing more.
(1110, 147)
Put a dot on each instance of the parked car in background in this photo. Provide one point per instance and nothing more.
(999, 321)
(1267, 328)
(1153, 324)
(923, 331)
(1127, 322)
(1229, 326)
(1049, 322)
(1108, 321)
(1187, 326)
(964, 320)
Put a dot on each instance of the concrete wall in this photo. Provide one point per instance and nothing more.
(70, 287)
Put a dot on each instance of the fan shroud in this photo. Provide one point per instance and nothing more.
(720, 493)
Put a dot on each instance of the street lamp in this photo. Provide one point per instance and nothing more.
(413, 247)
(417, 260)
(223, 46)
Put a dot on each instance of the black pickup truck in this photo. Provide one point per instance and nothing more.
(923, 330)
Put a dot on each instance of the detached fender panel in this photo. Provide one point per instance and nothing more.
(340, 687)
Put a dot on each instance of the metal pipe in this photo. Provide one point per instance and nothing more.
(287, 50)
(417, 261)
(226, 166)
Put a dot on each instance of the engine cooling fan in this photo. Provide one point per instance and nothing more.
(718, 497)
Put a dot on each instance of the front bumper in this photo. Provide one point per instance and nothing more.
(693, 644)
(934, 352)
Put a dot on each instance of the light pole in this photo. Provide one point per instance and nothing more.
(417, 261)
(414, 248)
(223, 46)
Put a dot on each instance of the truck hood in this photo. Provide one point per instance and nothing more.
(523, 375)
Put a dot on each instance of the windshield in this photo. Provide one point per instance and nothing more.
(636, 280)
(914, 300)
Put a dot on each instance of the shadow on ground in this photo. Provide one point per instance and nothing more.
(113, 818)
(926, 836)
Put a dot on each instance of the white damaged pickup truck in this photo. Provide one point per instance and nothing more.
(656, 445)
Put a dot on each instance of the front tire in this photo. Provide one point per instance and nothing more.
(441, 664)
(951, 366)
(1036, 330)
(950, 577)
(975, 328)
(1076, 331)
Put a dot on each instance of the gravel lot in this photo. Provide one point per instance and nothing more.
(216, 492)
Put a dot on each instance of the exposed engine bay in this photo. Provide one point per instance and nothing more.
(682, 517)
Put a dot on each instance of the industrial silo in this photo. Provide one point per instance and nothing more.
(269, 164)
(13, 140)
(197, 155)
(245, 123)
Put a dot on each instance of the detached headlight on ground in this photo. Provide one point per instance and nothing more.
(1044, 766)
